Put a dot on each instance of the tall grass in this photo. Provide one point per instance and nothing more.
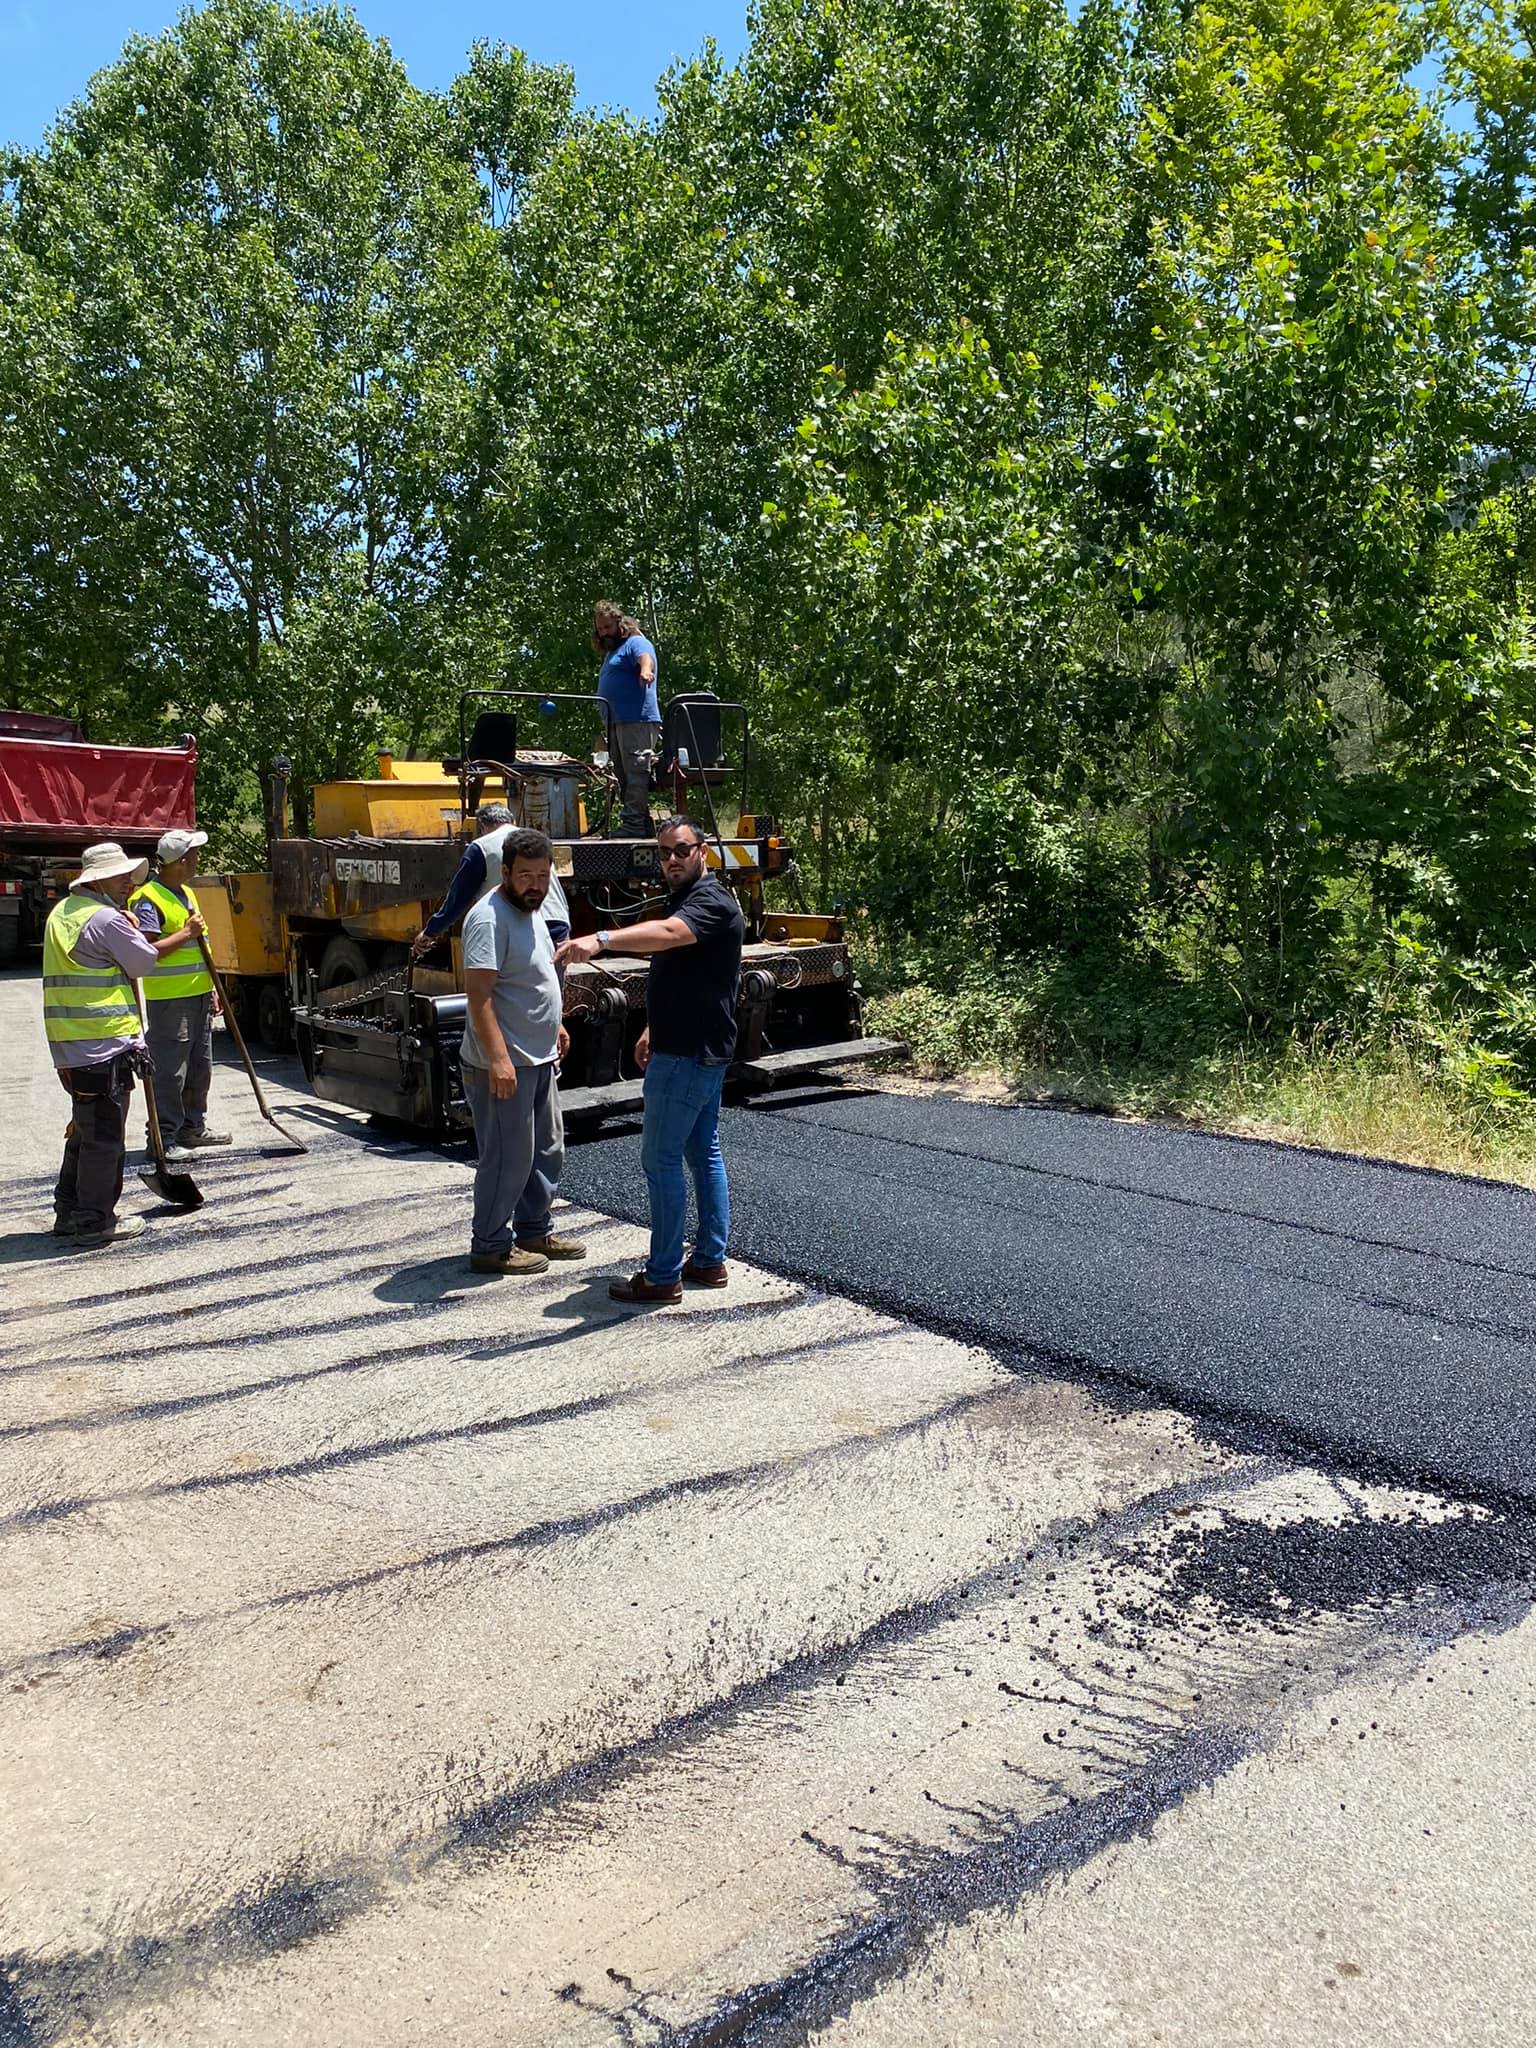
(1425, 1089)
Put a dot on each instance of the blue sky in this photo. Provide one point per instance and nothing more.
(49, 48)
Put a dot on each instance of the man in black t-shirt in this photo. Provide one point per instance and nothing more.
(687, 1044)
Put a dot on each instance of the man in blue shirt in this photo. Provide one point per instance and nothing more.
(627, 685)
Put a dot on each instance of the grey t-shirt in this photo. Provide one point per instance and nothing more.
(527, 995)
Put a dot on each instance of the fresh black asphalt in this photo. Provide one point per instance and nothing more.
(1380, 1315)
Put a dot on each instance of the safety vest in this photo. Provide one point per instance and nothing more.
(555, 909)
(180, 971)
(490, 844)
(82, 1002)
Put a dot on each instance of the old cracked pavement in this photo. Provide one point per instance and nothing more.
(1075, 1586)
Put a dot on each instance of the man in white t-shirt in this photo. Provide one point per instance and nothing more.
(513, 1040)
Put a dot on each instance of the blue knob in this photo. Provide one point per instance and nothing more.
(548, 707)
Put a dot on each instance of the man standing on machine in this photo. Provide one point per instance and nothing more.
(627, 685)
(180, 1002)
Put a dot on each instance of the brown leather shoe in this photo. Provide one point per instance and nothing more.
(515, 1261)
(553, 1247)
(695, 1275)
(638, 1288)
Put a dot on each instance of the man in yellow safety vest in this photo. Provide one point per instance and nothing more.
(92, 954)
(179, 997)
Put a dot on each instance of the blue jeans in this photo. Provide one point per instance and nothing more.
(682, 1122)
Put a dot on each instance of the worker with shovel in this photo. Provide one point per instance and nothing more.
(182, 1003)
(92, 954)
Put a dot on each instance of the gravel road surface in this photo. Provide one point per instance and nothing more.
(908, 1646)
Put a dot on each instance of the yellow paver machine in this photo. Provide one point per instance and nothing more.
(319, 942)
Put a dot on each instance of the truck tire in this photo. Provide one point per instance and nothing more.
(237, 1001)
(272, 1026)
(342, 960)
(10, 941)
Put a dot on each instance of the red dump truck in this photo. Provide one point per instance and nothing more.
(59, 793)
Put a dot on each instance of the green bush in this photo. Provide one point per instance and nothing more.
(1131, 1032)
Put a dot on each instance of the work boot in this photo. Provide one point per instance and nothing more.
(197, 1139)
(638, 1288)
(553, 1247)
(175, 1155)
(63, 1225)
(117, 1230)
(515, 1260)
(697, 1275)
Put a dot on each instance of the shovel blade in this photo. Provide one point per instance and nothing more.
(180, 1189)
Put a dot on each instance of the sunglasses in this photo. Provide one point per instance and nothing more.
(680, 852)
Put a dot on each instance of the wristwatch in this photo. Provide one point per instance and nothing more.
(602, 942)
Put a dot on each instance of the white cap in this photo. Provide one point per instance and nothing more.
(101, 863)
(173, 845)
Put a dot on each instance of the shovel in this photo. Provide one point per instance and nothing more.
(179, 1188)
(290, 1142)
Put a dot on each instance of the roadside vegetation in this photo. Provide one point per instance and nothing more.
(1418, 1088)
(1096, 443)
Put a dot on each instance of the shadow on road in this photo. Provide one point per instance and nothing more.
(434, 1280)
(26, 1247)
(586, 1131)
(373, 1134)
(589, 1301)
(807, 1097)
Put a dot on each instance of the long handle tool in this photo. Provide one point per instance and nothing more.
(290, 1142)
(179, 1188)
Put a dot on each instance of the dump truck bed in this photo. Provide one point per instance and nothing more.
(64, 793)
(60, 794)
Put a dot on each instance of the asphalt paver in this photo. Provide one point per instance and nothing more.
(1377, 1314)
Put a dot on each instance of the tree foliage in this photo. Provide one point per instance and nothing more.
(1095, 443)
(270, 285)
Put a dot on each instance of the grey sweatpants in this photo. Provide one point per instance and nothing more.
(180, 1040)
(521, 1147)
(634, 738)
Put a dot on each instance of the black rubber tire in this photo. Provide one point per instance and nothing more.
(342, 960)
(237, 994)
(10, 941)
(272, 1026)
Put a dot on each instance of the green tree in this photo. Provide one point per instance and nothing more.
(259, 282)
(1299, 388)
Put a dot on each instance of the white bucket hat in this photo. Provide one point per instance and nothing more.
(174, 845)
(101, 863)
